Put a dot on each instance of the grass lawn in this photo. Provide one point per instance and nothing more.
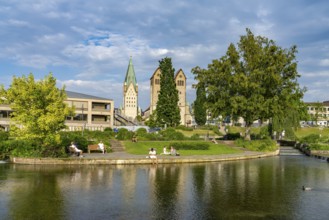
(302, 132)
(143, 147)
(197, 131)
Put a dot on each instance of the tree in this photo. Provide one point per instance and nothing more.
(168, 112)
(39, 111)
(257, 80)
(200, 111)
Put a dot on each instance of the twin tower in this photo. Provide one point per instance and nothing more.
(130, 95)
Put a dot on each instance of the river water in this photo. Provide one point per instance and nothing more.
(269, 188)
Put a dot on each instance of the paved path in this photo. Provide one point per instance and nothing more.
(125, 158)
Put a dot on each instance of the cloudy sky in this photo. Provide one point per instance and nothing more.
(87, 44)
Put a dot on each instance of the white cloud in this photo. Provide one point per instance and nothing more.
(324, 62)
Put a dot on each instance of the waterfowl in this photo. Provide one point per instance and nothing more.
(306, 188)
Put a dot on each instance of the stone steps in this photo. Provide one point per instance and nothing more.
(290, 151)
(116, 146)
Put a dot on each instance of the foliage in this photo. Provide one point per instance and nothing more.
(190, 145)
(312, 138)
(319, 146)
(39, 110)
(124, 134)
(232, 136)
(168, 112)
(195, 137)
(257, 145)
(141, 132)
(4, 135)
(171, 134)
(255, 80)
(200, 111)
(73, 136)
(152, 121)
(25, 148)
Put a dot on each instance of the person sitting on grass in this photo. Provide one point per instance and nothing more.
(165, 152)
(173, 151)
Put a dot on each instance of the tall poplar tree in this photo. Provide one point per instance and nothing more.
(200, 111)
(168, 112)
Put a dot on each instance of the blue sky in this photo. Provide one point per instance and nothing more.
(87, 44)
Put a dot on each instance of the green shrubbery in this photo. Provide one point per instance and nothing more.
(318, 146)
(190, 145)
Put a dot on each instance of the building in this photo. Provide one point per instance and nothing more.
(130, 93)
(180, 80)
(318, 112)
(91, 112)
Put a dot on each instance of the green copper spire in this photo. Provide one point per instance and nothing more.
(130, 75)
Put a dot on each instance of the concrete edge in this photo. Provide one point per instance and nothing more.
(176, 160)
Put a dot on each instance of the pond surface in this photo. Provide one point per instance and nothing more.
(269, 188)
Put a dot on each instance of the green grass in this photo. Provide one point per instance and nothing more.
(302, 132)
(142, 148)
(197, 131)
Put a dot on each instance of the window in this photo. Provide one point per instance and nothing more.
(180, 83)
(157, 81)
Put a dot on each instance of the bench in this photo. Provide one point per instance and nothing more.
(95, 147)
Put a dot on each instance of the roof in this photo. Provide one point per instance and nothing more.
(130, 75)
(77, 95)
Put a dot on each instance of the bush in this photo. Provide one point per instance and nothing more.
(312, 138)
(232, 136)
(4, 135)
(318, 146)
(73, 136)
(190, 145)
(124, 134)
(172, 134)
(25, 148)
(195, 137)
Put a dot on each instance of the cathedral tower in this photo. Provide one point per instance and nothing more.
(130, 93)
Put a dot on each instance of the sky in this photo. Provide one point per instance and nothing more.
(86, 45)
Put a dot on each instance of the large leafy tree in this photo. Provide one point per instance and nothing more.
(168, 112)
(200, 111)
(255, 80)
(39, 110)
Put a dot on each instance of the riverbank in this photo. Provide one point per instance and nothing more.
(117, 158)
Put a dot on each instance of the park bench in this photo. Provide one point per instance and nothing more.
(95, 147)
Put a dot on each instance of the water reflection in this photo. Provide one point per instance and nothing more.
(258, 189)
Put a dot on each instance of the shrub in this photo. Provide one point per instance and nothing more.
(172, 134)
(124, 134)
(195, 137)
(141, 132)
(190, 145)
(4, 135)
(73, 136)
(232, 136)
(312, 138)
(318, 146)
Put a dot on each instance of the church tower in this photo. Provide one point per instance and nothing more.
(130, 93)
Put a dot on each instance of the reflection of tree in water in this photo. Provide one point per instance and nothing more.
(38, 197)
(166, 192)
